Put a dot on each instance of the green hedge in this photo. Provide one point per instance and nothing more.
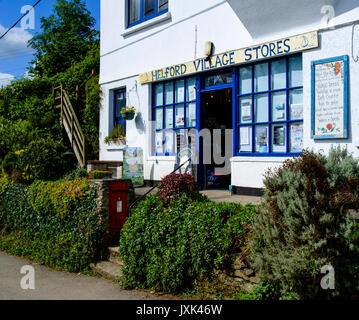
(53, 223)
(168, 247)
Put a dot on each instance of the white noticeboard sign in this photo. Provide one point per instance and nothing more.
(330, 98)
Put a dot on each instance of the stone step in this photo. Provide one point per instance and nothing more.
(115, 256)
(109, 270)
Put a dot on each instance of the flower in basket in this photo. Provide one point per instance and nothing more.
(128, 112)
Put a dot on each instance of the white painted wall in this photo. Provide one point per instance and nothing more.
(229, 24)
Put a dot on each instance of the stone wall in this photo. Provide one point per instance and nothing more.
(239, 275)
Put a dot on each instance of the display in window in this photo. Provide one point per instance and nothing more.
(168, 92)
(169, 117)
(191, 89)
(169, 142)
(191, 115)
(180, 91)
(296, 137)
(246, 110)
(180, 116)
(159, 142)
(244, 135)
(296, 104)
(279, 106)
(261, 139)
(278, 136)
(159, 118)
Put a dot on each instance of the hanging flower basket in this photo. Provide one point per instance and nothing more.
(128, 113)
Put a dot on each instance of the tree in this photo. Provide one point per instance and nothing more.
(68, 35)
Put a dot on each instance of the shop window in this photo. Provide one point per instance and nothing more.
(270, 101)
(119, 103)
(142, 10)
(174, 109)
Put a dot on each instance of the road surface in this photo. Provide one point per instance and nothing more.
(57, 285)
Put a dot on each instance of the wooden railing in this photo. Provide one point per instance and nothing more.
(69, 121)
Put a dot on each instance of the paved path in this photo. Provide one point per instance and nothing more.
(57, 285)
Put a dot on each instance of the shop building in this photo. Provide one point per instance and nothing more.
(280, 76)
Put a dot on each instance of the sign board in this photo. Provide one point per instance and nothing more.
(266, 50)
(330, 98)
(133, 166)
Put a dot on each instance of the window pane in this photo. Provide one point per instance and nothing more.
(169, 117)
(278, 74)
(169, 141)
(218, 79)
(296, 104)
(135, 10)
(245, 80)
(245, 109)
(295, 72)
(148, 7)
(120, 101)
(168, 92)
(296, 137)
(180, 115)
(261, 138)
(261, 77)
(162, 5)
(245, 139)
(279, 138)
(180, 91)
(279, 102)
(158, 95)
(191, 115)
(261, 107)
(159, 118)
(159, 142)
(191, 89)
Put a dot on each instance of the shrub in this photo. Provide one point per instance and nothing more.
(166, 247)
(173, 186)
(98, 174)
(303, 225)
(53, 223)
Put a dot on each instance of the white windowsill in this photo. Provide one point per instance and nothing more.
(162, 158)
(115, 147)
(146, 24)
(259, 159)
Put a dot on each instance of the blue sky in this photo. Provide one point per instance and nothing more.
(14, 54)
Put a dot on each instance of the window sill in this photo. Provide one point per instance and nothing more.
(162, 158)
(278, 159)
(146, 24)
(115, 147)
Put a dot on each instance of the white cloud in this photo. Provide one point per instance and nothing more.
(14, 43)
(5, 79)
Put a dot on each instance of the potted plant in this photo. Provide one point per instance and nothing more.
(128, 112)
(117, 136)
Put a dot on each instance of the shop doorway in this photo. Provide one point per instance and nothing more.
(216, 113)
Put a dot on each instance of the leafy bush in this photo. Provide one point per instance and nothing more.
(166, 247)
(173, 186)
(99, 174)
(53, 223)
(303, 225)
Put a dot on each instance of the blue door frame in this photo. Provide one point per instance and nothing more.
(200, 112)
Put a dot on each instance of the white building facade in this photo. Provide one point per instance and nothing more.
(281, 75)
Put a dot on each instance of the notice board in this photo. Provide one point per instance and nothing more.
(330, 98)
(133, 166)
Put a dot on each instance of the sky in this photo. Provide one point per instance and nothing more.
(15, 56)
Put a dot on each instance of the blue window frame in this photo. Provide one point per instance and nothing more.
(269, 108)
(174, 109)
(143, 10)
(119, 104)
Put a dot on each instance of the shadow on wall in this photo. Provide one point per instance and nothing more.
(278, 15)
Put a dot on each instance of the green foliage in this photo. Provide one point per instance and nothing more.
(166, 247)
(67, 36)
(53, 223)
(98, 174)
(77, 173)
(303, 225)
(116, 135)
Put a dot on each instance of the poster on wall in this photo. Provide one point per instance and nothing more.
(133, 166)
(261, 139)
(330, 98)
(296, 137)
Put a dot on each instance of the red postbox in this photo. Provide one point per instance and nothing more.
(118, 205)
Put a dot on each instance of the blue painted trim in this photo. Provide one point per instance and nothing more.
(345, 135)
(142, 18)
(118, 119)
